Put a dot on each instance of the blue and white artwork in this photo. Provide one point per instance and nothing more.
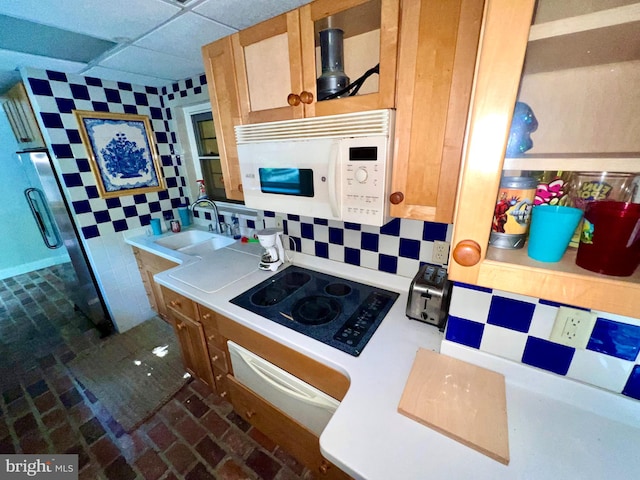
(123, 153)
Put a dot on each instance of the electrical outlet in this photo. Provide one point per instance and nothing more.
(279, 221)
(573, 327)
(440, 252)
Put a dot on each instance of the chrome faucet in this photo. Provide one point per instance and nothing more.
(215, 210)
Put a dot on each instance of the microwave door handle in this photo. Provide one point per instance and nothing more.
(334, 161)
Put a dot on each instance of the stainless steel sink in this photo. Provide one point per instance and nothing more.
(194, 242)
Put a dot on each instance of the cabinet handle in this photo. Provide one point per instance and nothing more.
(396, 198)
(218, 377)
(224, 394)
(250, 413)
(240, 188)
(206, 316)
(293, 99)
(215, 358)
(180, 325)
(324, 467)
(306, 97)
(467, 253)
(211, 337)
(175, 303)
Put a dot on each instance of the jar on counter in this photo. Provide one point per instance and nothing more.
(512, 212)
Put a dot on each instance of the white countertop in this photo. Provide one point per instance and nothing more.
(558, 428)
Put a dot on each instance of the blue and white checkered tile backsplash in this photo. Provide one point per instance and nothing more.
(57, 94)
(518, 328)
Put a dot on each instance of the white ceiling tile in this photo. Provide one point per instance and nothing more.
(184, 36)
(228, 12)
(156, 64)
(10, 60)
(103, 19)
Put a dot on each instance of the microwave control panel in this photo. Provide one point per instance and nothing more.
(365, 178)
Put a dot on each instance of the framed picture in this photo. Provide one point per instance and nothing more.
(122, 152)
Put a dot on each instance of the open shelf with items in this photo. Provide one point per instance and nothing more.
(578, 76)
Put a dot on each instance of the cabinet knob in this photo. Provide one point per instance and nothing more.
(324, 467)
(250, 413)
(218, 377)
(175, 303)
(211, 337)
(215, 358)
(224, 394)
(467, 253)
(206, 316)
(180, 325)
(240, 188)
(306, 97)
(396, 198)
(293, 99)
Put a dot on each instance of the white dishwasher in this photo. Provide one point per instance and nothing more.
(301, 401)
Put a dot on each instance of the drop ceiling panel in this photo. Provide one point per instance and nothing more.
(103, 19)
(10, 59)
(120, 76)
(229, 12)
(184, 36)
(156, 64)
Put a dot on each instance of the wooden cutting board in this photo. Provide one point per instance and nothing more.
(463, 401)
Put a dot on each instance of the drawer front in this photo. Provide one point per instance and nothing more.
(222, 387)
(179, 303)
(285, 431)
(209, 320)
(218, 358)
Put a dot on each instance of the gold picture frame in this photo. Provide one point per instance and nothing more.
(122, 152)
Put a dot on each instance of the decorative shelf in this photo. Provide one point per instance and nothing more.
(580, 162)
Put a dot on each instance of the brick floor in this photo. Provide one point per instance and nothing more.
(43, 409)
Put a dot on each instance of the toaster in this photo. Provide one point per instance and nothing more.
(430, 295)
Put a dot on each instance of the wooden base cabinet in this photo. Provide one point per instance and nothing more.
(150, 264)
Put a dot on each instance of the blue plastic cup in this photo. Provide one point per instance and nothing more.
(156, 227)
(184, 216)
(551, 230)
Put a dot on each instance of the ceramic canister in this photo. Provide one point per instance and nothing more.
(512, 212)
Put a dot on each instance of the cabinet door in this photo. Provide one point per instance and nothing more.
(268, 68)
(434, 87)
(149, 265)
(22, 118)
(222, 84)
(194, 348)
(370, 38)
(569, 63)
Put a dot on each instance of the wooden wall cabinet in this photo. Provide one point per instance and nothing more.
(22, 118)
(150, 264)
(580, 77)
(436, 60)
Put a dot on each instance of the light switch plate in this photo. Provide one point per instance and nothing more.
(573, 327)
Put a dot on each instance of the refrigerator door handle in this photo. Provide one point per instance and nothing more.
(38, 204)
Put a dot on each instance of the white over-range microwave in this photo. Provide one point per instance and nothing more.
(336, 167)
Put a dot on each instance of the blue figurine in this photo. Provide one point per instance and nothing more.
(523, 124)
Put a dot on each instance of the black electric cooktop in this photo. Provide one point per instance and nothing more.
(336, 311)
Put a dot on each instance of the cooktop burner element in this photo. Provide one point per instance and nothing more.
(336, 311)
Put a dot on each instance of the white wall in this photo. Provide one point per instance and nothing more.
(20, 242)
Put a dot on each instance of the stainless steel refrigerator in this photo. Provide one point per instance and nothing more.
(58, 230)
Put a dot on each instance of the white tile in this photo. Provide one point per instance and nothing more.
(252, 11)
(544, 316)
(389, 245)
(352, 239)
(426, 251)
(336, 252)
(503, 342)
(470, 304)
(321, 233)
(308, 246)
(411, 228)
(369, 259)
(600, 370)
(157, 64)
(407, 267)
(96, 94)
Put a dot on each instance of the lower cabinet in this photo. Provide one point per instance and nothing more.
(203, 336)
(150, 264)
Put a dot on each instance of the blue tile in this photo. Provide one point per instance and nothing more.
(140, 198)
(632, 388)
(189, 83)
(130, 211)
(306, 230)
(369, 241)
(388, 263)
(72, 179)
(90, 232)
(151, 90)
(336, 236)
(79, 92)
(83, 165)
(434, 231)
(161, 137)
(320, 221)
(391, 228)
(203, 79)
(102, 216)
(91, 191)
(463, 331)
(509, 313)
(120, 225)
(155, 113)
(268, 213)
(473, 287)
(73, 135)
(352, 226)
(40, 87)
(175, 87)
(410, 248)
(547, 355)
(322, 249)
(171, 182)
(131, 109)
(100, 106)
(125, 86)
(155, 207)
(141, 99)
(62, 150)
(81, 206)
(352, 256)
(616, 339)
(251, 224)
(93, 81)
(65, 105)
(51, 120)
(293, 218)
(163, 195)
(113, 203)
(57, 76)
(112, 95)
(197, 90)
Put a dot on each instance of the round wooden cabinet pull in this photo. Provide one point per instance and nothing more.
(293, 99)
(250, 413)
(211, 337)
(223, 394)
(175, 303)
(180, 325)
(324, 467)
(218, 377)
(396, 198)
(215, 358)
(206, 316)
(306, 97)
(467, 253)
